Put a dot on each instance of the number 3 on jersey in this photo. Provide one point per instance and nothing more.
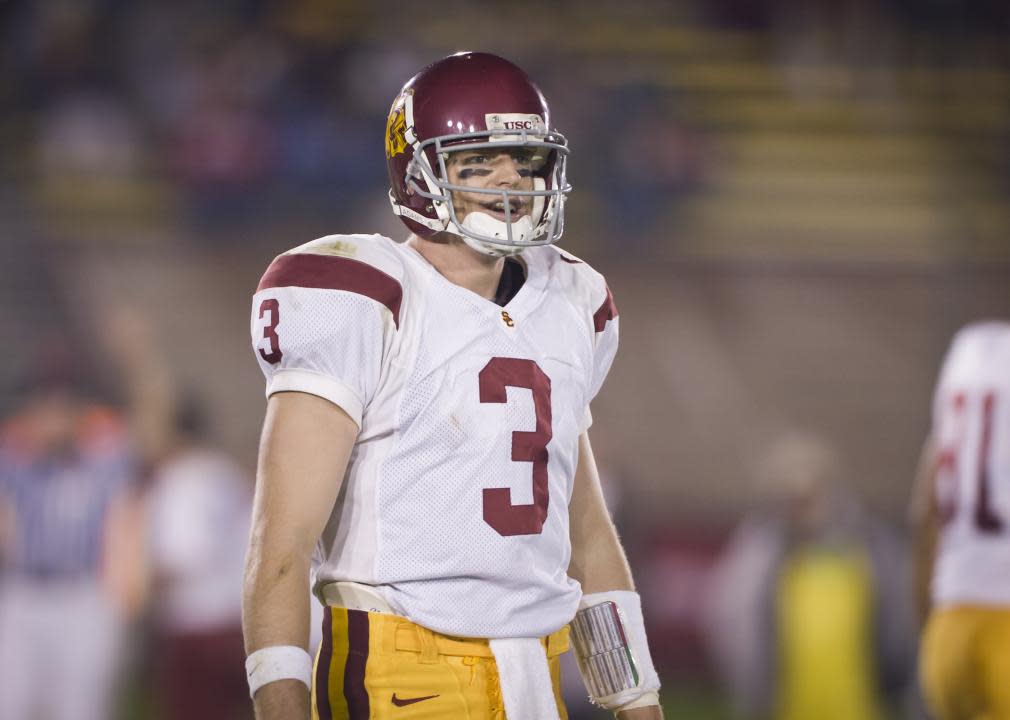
(270, 305)
(499, 512)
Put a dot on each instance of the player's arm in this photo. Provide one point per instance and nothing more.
(598, 560)
(925, 526)
(599, 564)
(304, 450)
(8, 530)
(146, 379)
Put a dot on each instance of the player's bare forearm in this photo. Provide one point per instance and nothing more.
(303, 454)
(276, 612)
(282, 700)
(147, 380)
(8, 529)
(598, 561)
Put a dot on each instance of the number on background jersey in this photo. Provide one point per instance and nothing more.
(984, 517)
(499, 512)
(270, 305)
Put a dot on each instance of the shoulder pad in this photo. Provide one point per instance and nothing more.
(587, 287)
(363, 264)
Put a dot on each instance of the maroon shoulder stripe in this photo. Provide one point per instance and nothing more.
(331, 272)
(323, 667)
(570, 261)
(607, 311)
(357, 658)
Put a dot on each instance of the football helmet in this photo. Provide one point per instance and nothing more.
(475, 101)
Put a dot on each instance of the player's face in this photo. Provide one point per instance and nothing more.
(52, 419)
(492, 169)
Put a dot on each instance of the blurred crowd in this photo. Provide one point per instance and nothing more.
(227, 115)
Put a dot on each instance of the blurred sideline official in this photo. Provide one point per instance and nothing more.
(809, 606)
(70, 506)
(198, 511)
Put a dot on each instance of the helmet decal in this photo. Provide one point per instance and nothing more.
(516, 122)
(396, 126)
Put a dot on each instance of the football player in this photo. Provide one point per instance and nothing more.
(963, 511)
(426, 436)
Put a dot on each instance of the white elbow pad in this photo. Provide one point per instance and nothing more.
(278, 662)
(612, 651)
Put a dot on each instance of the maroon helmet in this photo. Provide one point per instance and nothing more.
(474, 101)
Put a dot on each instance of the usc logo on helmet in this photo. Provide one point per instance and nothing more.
(396, 127)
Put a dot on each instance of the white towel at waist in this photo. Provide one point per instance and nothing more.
(525, 679)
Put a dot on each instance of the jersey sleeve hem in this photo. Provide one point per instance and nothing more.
(324, 386)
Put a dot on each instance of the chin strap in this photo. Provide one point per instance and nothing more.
(613, 652)
(479, 223)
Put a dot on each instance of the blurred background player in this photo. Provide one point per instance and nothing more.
(71, 532)
(198, 510)
(962, 513)
(426, 433)
(809, 602)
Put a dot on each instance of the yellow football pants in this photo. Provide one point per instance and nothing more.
(964, 664)
(377, 666)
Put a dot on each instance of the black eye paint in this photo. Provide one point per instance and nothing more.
(465, 173)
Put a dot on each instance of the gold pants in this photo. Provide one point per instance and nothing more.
(964, 663)
(377, 666)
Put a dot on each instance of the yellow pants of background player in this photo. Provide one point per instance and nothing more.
(965, 663)
(377, 666)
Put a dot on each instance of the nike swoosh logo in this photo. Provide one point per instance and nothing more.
(400, 702)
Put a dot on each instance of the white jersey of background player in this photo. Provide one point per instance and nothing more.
(963, 506)
(426, 424)
(971, 432)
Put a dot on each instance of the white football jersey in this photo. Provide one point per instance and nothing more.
(455, 501)
(971, 429)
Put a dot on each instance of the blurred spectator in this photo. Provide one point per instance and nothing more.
(222, 143)
(655, 163)
(832, 47)
(198, 526)
(68, 583)
(810, 604)
(90, 159)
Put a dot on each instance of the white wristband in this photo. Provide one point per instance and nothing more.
(278, 662)
(613, 652)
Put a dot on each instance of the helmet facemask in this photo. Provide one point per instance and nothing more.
(542, 225)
